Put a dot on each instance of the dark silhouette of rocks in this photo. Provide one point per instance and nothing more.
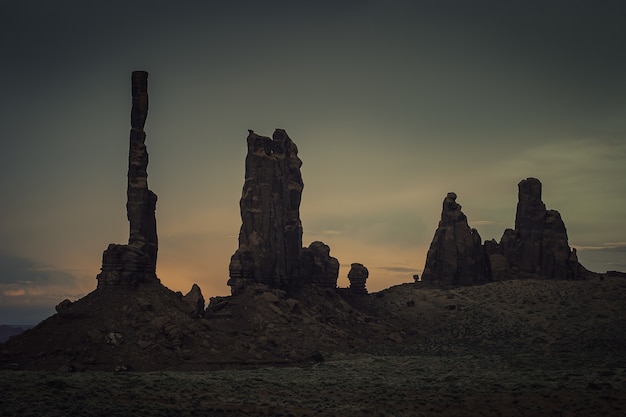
(537, 247)
(135, 262)
(285, 306)
(270, 240)
(131, 316)
(195, 300)
(358, 276)
(456, 255)
(317, 266)
(7, 331)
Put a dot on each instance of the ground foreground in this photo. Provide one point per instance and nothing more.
(510, 348)
(351, 385)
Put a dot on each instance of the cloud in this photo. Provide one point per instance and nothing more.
(24, 271)
(13, 292)
(608, 247)
(602, 257)
(399, 269)
(389, 225)
(29, 290)
(482, 222)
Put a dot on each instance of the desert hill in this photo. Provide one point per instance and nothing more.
(152, 328)
(6, 331)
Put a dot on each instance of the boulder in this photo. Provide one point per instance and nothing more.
(358, 276)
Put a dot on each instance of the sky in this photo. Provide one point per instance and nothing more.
(392, 105)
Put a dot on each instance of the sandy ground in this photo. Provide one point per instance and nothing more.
(362, 385)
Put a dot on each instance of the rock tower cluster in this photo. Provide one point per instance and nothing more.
(135, 262)
(536, 248)
(270, 240)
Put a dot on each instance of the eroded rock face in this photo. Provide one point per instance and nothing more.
(456, 255)
(539, 245)
(270, 238)
(358, 276)
(318, 267)
(135, 262)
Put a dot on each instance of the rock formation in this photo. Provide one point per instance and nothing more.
(456, 255)
(538, 247)
(270, 240)
(318, 267)
(135, 262)
(358, 275)
(195, 300)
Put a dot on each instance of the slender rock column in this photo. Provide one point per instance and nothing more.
(141, 202)
(135, 262)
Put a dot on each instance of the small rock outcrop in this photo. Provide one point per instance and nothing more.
(318, 267)
(270, 239)
(456, 255)
(195, 301)
(358, 275)
(135, 262)
(538, 247)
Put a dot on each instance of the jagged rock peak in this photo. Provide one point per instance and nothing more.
(536, 248)
(195, 301)
(455, 256)
(135, 262)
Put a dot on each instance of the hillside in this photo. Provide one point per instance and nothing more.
(153, 328)
(7, 330)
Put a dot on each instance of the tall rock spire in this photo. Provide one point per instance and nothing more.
(135, 262)
(539, 245)
(456, 255)
(141, 202)
(270, 239)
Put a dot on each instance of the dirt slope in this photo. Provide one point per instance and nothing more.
(152, 328)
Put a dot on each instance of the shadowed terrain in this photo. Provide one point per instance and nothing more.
(522, 347)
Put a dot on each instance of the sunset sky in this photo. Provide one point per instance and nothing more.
(392, 104)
